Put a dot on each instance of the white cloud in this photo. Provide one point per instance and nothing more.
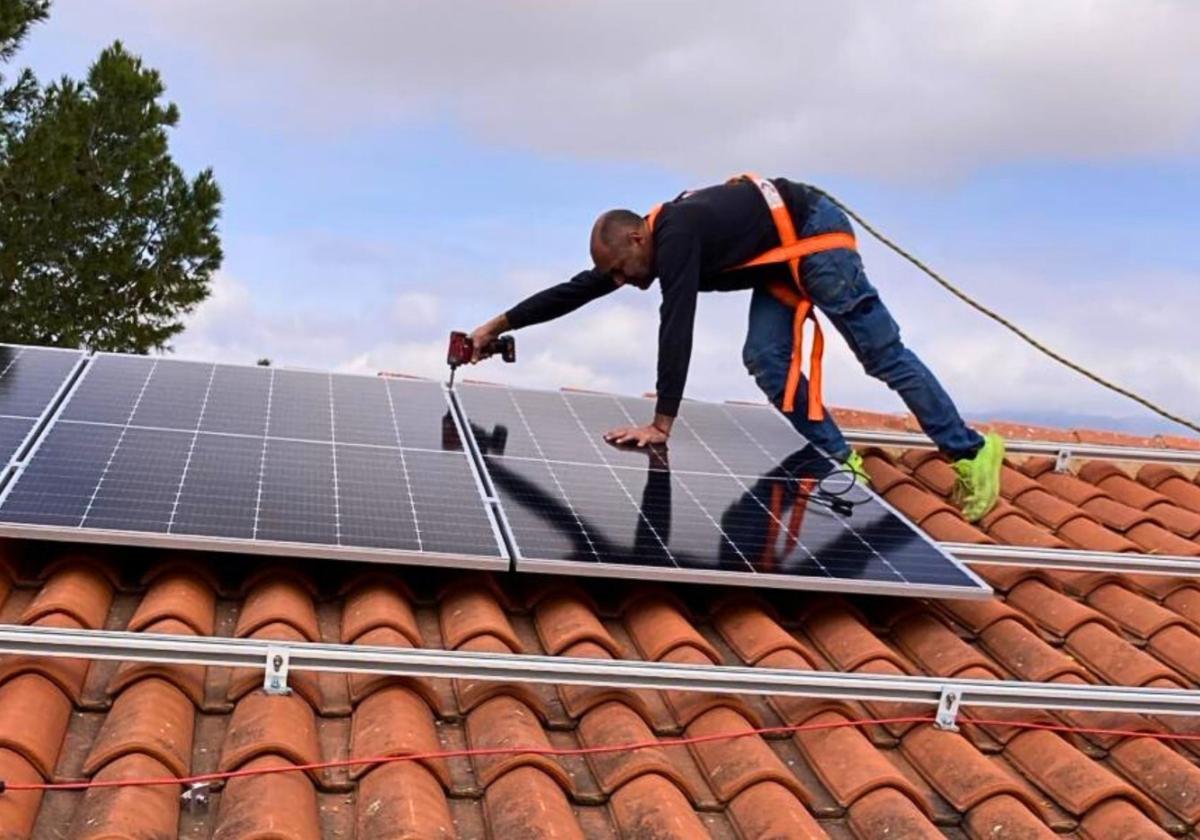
(915, 90)
(611, 346)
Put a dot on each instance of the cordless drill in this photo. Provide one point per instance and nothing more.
(461, 350)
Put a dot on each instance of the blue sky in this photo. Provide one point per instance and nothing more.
(396, 170)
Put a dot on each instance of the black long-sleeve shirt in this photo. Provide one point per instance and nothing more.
(697, 237)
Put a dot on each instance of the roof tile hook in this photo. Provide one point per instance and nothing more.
(947, 710)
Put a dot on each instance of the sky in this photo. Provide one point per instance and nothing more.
(394, 170)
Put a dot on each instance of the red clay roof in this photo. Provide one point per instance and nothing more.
(63, 719)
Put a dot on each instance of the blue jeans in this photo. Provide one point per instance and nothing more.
(838, 286)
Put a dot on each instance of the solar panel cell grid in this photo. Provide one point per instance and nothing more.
(736, 496)
(183, 449)
(30, 379)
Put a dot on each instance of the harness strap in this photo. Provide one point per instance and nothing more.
(791, 250)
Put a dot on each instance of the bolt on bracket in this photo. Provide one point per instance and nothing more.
(947, 710)
(195, 798)
(275, 677)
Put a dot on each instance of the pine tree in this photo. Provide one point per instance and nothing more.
(104, 242)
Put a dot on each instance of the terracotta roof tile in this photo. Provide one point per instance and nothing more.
(957, 770)
(1136, 614)
(652, 807)
(275, 725)
(1026, 654)
(1114, 659)
(889, 813)
(67, 674)
(1008, 525)
(33, 719)
(376, 602)
(472, 693)
(565, 619)
(1072, 779)
(845, 641)
(18, 808)
(580, 699)
(78, 590)
(402, 800)
(153, 718)
(507, 722)
(1051, 609)
(848, 765)
(659, 627)
(770, 810)
(1186, 602)
(1005, 816)
(753, 634)
(279, 598)
(108, 812)
(395, 721)
(1155, 539)
(362, 685)
(470, 611)
(1162, 773)
(179, 594)
(615, 723)
(734, 765)
(1172, 484)
(1090, 535)
(264, 807)
(930, 643)
(187, 678)
(528, 803)
(1179, 647)
(1118, 820)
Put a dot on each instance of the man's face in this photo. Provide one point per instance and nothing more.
(629, 262)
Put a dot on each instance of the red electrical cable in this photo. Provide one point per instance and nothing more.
(561, 752)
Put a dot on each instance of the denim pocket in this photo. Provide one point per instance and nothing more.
(835, 280)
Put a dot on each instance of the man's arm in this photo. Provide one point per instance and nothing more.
(679, 276)
(546, 305)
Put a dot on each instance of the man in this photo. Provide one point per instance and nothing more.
(794, 249)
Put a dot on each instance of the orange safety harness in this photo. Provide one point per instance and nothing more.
(792, 249)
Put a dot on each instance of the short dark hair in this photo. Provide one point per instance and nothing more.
(613, 223)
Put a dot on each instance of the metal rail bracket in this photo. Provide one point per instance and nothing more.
(275, 678)
(947, 710)
(1062, 460)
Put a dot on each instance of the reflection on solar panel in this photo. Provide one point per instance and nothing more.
(163, 452)
(738, 497)
(30, 379)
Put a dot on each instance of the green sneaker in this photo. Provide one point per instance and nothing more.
(978, 484)
(854, 463)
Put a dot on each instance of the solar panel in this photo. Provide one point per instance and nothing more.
(31, 378)
(152, 451)
(737, 497)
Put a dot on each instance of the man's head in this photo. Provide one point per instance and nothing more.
(623, 248)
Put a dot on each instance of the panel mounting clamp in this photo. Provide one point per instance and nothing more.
(947, 709)
(275, 676)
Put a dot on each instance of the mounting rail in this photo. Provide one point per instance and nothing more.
(1059, 449)
(1075, 560)
(274, 658)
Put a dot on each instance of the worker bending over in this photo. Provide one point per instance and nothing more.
(794, 249)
